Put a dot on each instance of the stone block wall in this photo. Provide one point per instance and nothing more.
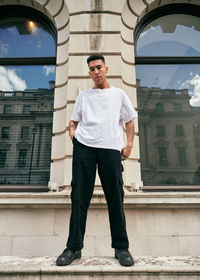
(162, 224)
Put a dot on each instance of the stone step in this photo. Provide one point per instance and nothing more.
(145, 268)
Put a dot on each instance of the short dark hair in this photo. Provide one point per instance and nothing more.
(95, 57)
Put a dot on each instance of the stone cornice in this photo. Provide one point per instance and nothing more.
(131, 200)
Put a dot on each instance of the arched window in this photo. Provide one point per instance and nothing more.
(168, 76)
(27, 75)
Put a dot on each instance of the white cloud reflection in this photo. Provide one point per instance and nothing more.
(39, 44)
(12, 30)
(10, 81)
(48, 70)
(3, 49)
(193, 85)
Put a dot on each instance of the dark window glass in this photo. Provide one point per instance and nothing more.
(27, 81)
(25, 132)
(177, 107)
(26, 109)
(30, 135)
(162, 156)
(160, 131)
(179, 130)
(182, 156)
(165, 76)
(3, 156)
(198, 158)
(159, 107)
(7, 109)
(22, 158)
(5, 132)
(197, 130)
(197, 142)
(170, 93)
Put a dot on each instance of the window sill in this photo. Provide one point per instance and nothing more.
(171, 188)
(23, 188)
(131, 200)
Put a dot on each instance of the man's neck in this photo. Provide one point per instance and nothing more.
(102, 86)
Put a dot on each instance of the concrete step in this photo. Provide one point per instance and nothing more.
(145, 268)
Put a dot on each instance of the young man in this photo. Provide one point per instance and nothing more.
(96, 130)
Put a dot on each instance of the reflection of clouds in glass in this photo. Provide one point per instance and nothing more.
(176, 29)
(146, 32)
(10, 81)
(12, 30)
(3, 49)
(48, 70)
(39, 44)
(30, 42)
(146, 37)
(156, 76)
(194, 90)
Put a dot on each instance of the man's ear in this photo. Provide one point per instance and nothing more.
(106, 69)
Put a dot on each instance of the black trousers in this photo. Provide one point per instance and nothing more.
(85, 161)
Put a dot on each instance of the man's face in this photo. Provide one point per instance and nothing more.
(97, 71)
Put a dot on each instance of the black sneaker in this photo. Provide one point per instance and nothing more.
(67, 257)
(124, 257)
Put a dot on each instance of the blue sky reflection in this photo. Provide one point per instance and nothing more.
(171, 35)
(172, 77)
(26, 77)
(20, 37)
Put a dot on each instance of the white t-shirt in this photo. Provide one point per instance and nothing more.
(101, 113)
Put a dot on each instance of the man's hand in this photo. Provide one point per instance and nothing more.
(72, 128)
(71, 133)
(126, 151)
(130, 135)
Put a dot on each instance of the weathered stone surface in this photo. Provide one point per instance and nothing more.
(159, 268)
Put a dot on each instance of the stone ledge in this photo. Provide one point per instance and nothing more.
(131, 200)
(157, 267)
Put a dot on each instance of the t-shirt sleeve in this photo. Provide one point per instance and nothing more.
(77, 111)
(127, 110)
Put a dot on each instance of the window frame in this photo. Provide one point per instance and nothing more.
(178, 8)
(31, 14)
(179, 131)
(5, 132)
(188, 9)
(159, 108)
(160, 130)
(162, 154)
(25, 133)
(3, 157)
(182, 157)
(7, 109)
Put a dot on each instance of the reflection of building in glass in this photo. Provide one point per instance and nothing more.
(25, 136)
(169, 131)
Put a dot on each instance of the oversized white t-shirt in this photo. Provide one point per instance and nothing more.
(101, 113)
